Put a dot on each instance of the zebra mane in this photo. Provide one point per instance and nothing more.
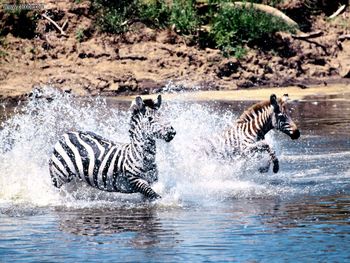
(150, 103)
(139, 105)
(259, 107)
(253, 110)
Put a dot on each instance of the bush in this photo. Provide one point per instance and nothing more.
(19, 22)
(155, 13)
(114, 16)
(233, 27)
(184, 16)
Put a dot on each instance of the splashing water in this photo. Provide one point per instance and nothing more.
(28, 137)
(185, 175)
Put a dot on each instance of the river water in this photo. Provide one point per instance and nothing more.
(210, 211)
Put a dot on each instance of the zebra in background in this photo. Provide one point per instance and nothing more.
(247, 136)
(112, 166)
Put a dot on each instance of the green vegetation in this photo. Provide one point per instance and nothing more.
(231, 28)
(3, 54)
(342, 22)
(234, 27)
(20, 22)
(2, 39)
(209, 23)
(155, 13)
(114, 16)
(80, 35)
(184, 16)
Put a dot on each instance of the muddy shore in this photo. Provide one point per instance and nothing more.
(332, 92)
(145, 60)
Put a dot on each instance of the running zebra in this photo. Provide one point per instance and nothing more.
(111, 166)
(247, 136)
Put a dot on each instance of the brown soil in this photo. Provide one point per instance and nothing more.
(144, 60)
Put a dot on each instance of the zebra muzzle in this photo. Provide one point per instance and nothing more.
(170, 134)
(295, 135)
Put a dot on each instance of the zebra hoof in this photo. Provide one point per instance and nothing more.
(155, 197)
(264, 169)
(276, 166)
(56, 183)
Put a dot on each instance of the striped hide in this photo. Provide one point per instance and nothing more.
(247, 135)
(112, 166)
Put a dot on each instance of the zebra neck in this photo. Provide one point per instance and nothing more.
(264, 129)
(146, 148)
(264, 122)
(255, 125)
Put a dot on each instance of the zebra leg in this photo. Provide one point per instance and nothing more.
(142, 186)
(265, 147)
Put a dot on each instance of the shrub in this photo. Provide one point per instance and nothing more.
(80, 35)
(114, 16)
(233, 27)
(20, 22)
(155, 13)
(184, 17)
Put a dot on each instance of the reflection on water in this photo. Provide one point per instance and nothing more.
(93, 222)
(330, 210)
(139, 227)
(210, 212)
(239, 230)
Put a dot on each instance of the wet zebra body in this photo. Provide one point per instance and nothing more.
(247, 135)
(110, 166)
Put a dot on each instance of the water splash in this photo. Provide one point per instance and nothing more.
(186, 176)
(26, 141)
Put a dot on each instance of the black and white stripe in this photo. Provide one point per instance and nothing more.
(247, 135)
(111, 166)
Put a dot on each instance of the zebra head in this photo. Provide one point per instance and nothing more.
(147, 120)
(281, 119)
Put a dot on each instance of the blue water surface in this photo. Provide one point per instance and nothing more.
(301, 214)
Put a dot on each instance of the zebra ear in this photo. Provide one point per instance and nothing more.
(159, 101)
(138, 104)
(285, 98)
(273, 101)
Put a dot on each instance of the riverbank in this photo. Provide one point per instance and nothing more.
(332, 92)
(87, 62)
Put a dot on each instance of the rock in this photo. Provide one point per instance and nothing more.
(227, 68)
(302, 86)
(148, 85)
(247, 75)
(268, 70)
(80, 8)
(167, 37)
(332, 71)
(345, 73)
(318, 61)
(244, 84)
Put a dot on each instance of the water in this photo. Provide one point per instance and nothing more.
(210, 211)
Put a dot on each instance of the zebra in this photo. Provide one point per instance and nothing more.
(247, 135)
(112, 166)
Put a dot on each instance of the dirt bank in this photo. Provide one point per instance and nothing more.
(332, 92)
(144, 60)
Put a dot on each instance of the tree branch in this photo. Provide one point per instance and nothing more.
(55, 24)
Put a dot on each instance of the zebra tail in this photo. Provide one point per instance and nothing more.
(54, 178)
